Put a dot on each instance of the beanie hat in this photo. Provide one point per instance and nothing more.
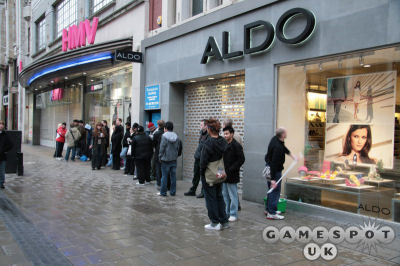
(150, 125)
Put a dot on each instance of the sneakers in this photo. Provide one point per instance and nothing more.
(135, 177)
(232, 219)
(190, 193)
(275, 217)
(277, 212)
(140, 184)
(122, 168)
(161, 195)
(213, 227)
(225, 226)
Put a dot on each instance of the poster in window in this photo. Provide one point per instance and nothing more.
(361, 118)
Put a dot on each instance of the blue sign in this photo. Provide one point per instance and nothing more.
(152, 97)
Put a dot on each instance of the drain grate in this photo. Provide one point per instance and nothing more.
(36, 247)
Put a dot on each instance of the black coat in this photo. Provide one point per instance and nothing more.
(202, 140)
(142, 147)
(212, 151)
(275, 156)
(116, 140)
(6, 145)
(233, 160)
(108, 136)
(157, 140)
(125, 139)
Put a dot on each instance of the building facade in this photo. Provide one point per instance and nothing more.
(325, 70)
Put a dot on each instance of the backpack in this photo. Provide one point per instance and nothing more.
(213, 168)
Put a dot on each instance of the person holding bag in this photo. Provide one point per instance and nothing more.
(212, 174)
(72, 138)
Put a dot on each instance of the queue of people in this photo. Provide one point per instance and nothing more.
(152, 154)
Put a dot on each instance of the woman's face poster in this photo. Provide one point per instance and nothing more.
(361, 118)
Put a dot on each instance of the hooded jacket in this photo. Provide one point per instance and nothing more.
(203, 137)
(5, 145)
(170, 147)
(142, 146)
(212, 151)
(72, 139)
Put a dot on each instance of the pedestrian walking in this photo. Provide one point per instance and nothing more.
(60, 140)
(156, 143)
(5, 146)
(98, 146)
(275, 159)
(142, 148)
(170, 150)
(130, 162)
(116, 142)
(72, 138)
(107, 131)
(125, 144)
(233, 160)
(212, 152)
(196, 168)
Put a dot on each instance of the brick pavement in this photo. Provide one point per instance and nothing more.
(102, 218)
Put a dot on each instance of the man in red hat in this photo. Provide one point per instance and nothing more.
(151, 129)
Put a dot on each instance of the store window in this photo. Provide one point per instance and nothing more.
(99, 4)
(41, 34)
(66, 15)
(108, 95)
(197, 7)
(343, 114)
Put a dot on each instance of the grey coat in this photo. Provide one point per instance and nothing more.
(170, 147)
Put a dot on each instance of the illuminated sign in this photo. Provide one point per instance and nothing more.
(76, 36)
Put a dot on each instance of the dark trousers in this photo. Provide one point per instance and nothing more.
(116, 161)
(214, 202)
(158, 171)
(143, 170)
(59, 148)
(104, 160)
(273, 197)
(97, 158)
(153, 173)
(196, 176)
(130, 165)
(337, 105)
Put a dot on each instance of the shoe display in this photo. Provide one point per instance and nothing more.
(189, 193)
(215, 227)
(232, 219)
(275, 217)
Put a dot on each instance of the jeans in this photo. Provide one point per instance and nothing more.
(123, 154)
(273, 197)
(196, 176)
(2, 172)
(168, 169)
(69, 151)
(214, 202)
(230, 193)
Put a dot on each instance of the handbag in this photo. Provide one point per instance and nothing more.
(214, 168)
(267, 172)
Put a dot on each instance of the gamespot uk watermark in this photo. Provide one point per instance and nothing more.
(320, 242)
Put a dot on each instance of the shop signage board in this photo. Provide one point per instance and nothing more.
(77, 36)
(129, 56)
(96, 87)
(5, 100)
(152, 97)
(212, 48)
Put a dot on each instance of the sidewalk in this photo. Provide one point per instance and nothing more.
(101, 217)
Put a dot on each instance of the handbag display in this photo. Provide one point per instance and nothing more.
(213, 169)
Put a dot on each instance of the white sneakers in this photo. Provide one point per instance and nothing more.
(232, 219)
(139, 184)
(275, 217)
(213, 227)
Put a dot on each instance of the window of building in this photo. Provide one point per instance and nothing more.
(155, 14)
(29, 40)
(197, 7)
(41, 34)
(343, 115)
(66, 15)
(99, 4)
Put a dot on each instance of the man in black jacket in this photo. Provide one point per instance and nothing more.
(196, 168)
(142, 149)
(233, 160)
(275, 158)
(105, 159)
(156, 143)
(116, 144)
(5, 146)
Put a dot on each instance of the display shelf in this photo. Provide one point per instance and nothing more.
(360, 188)
(378, 182)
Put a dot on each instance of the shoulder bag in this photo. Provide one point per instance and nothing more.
(212, 170)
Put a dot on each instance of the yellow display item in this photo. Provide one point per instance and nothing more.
(355, 180)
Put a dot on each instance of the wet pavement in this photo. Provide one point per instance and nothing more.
(62, 213)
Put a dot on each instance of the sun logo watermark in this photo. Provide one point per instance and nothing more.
(321, 242)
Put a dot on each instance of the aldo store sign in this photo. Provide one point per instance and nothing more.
(76, 36)
(129, 56)
(212, 49)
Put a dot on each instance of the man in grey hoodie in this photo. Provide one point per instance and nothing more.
(170, 150)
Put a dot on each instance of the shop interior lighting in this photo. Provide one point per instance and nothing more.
(52, 81)
(192, 81)
(66, 77)
(367, 65)
(72, 63)
(91, 80)
(210, 78)
(84, 73)
(361, 60)
(320, 67)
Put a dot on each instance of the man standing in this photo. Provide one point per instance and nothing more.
(170, 150)
(60, 140)
(151, 129)
(142, 149)
(116, 144)
(125, 144)
(81, 150)
(107, 129)
(156, 143)
(275, 158)
(5, 146)
(233, 160)
(197, 154)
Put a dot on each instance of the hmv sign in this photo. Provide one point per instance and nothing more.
(77, 36)
(212, 49)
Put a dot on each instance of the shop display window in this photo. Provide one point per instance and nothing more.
(342, 114)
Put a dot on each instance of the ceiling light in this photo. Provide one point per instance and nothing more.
(367, 65)
(210, 78)
(66, 77)
(40, 86)
(192, 81)
(84, 73)
(52, 81)
(91, 80)
(35, 89)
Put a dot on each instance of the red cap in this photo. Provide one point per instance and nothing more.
(150, 125)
